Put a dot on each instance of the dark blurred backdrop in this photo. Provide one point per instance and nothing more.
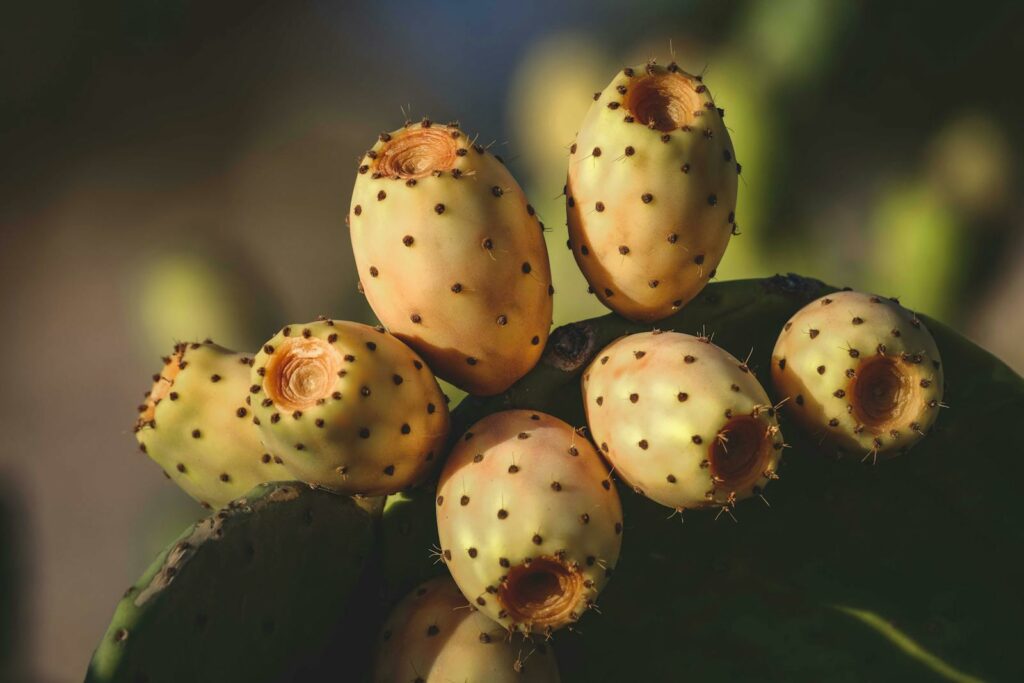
(175, 169)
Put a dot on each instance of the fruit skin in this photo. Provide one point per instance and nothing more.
(348, 407)
(681, 420)
(838, 341)
(244, 594)
(433, 635)
(452, 262)
(651, 208)
(523, 492)
(196, 424)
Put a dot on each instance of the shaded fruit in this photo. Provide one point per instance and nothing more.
(433, 635)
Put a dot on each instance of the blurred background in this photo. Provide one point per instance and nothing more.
(175, 169)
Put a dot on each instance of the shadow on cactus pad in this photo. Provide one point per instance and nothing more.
(904, 570)
(252, 593)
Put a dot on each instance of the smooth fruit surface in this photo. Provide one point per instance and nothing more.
(651, 191)
(529, 521)
(451, 256)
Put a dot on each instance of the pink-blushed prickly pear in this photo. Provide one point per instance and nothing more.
(451, 257)
(348, 407)
(195, 424)
(529, 521)
(651, 194)
(681, 420)
(434, 636)
(860, 372)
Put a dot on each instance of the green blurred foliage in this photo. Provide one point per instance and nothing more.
(191, 294)
(917, 246)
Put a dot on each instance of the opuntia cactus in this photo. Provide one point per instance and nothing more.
(529, 521)
(434, 636)
(451, 256)
(651, 193)
(408, 541)
(244, 594)
(348, 407)
(681, 420)
(196, 424)
(860, 372)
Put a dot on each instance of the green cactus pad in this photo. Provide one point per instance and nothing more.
(408, 541)
(244, 595)
(904, 570)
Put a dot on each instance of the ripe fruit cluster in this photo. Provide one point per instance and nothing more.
(453, 261)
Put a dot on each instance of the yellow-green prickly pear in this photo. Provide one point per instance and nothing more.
(651, 193)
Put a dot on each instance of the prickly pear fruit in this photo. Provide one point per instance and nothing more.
(435, 636)
(244, 594)
(860, 372)
(681, 420)
(348, 407)
(529, 521)
(451, 257)
(196, 425)
(651, 194)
